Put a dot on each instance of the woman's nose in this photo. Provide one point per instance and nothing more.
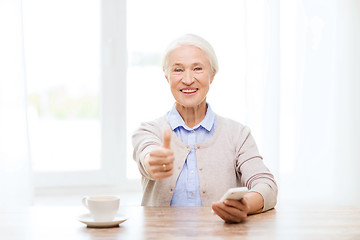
(188, 78)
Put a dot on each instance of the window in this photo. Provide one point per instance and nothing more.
(63, 79)
(76, 65)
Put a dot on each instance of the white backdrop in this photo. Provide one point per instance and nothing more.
(15, 180)
(320, 104)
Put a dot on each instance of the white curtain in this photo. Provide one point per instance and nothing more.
(319, 134)
(15, 177)
(302, 89)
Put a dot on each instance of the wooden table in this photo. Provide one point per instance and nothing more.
(183, 223)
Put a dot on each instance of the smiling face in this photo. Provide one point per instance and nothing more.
(189, 74)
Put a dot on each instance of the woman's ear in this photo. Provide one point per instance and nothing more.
(166, 74)
(212, 77)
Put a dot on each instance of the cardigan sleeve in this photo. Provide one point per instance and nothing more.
(252, 170)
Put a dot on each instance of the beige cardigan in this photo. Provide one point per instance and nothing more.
(229, 159)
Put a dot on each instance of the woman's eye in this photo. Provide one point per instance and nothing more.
(177, 70)
(198, 69)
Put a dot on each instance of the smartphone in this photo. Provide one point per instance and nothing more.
(235, 193)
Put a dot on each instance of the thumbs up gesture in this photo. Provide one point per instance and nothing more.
(159, 162)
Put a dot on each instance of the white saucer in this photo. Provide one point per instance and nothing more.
(90, 222)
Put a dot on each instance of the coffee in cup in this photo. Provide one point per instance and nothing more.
(102, 208)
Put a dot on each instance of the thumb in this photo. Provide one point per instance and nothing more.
(167, 138)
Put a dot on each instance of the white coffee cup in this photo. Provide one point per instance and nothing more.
(102, 208)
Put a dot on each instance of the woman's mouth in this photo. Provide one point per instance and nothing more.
(189, 90)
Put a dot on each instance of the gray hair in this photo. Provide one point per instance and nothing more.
(191, 40)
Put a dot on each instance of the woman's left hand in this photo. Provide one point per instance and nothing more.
(232, 211)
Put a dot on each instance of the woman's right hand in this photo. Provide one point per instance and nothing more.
(159, 163)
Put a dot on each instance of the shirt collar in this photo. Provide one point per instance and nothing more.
(175, 120)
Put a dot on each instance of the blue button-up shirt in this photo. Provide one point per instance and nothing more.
(187, 189)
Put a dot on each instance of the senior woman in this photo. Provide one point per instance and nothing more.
(192, 156)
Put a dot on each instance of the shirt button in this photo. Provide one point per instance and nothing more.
(191, 194)
(204, 192)
(192, 171)
(200, 169)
